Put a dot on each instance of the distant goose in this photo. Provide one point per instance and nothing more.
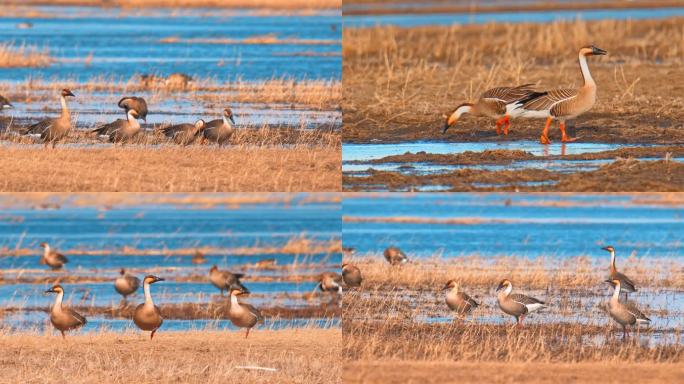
(330, 282)
(395, 256)
(53, 130)
(147, 316)
(136, 103)
(626, 284)
(624, 313)
(219, 131)
(64, 319)
(52, 258)
(458, 302)
(516, 305)
(178, 81)
(5, 103)
(126, 284)
(241, 314)
(184, 134)
(351, 275)
(121, 130)
(198, 258)
(225, 279)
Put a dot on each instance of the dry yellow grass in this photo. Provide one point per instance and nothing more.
(23, 56)
(170, 169)
(298, 355)
(274, 4)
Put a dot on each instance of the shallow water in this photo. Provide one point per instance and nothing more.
(123, 43)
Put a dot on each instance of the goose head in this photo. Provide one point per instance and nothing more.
(213, 269)
(122, 272)
(450, 285)
(55, 289)
(151, 279)
(452, 118)
(609, 249)
(67, 92)
(228, 114)
(591, 50)
(237, 290)
(505, 283)
(44, 245)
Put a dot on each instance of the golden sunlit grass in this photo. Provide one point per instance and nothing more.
(275, 4)
(12, 56)
(297, 355)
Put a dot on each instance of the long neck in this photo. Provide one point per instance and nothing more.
(226, 121)
(47, 251)
(58, 301)
(132, 120)
(584, 67)
(65, 109)
(454, 290)
(616, 292)
(612, 260)
(508, 289)
(233, 300)
(148, 296)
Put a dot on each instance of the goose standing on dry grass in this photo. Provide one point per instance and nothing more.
(516, 304)
(53, 130)
(395, 256)
(184, 134)
(626, 313)
(225, 279)
(458, 302)
(136, 103)
(626, 284)
(52, 258)
(501, 103)
(242, 315)
(120, 130)
(351, 275)
(126, 284)
(64, 319)
(5, 103)
(219, 131)
(565, 104)
(147, 316)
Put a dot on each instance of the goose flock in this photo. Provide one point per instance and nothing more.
(147, 316)
(624, 312)
(562, 104)
(121, 131)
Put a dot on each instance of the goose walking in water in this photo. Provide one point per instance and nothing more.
(219, 131)
(501, 103)
(126, 284)
(53, 130)
(626, 284)
(516, 304)
(184, 134)
(224, 280)
(64, 319)
(241, 314)
(564, 104)
(147, 316)
(120, 131)
(458, 302)
(52, 258)
(624, 313)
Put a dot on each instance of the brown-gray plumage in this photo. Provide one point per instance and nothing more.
(626, 284)
(5, 103)
(136, 103)
(624, 313)
(330, 282)
(178, 81)
(184, 134)
(458, 302)
(126, 284)
(198, 258)
(243, 315)
(147, 316)
(565, 104)
(219, 131)
(52, 258)
(516, 304)
(225, 279)
(120, 131)
(64, 319)
(395, 256)
(501, 103)
(53, 130)
(351, 275)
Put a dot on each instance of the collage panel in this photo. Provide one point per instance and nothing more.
(499, 288)
(181, 288)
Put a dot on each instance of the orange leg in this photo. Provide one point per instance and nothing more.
(507, 122)
(63, 335)
(152, 334)
(545, 133)
(247, 334)
(498, 125)
(565, 138)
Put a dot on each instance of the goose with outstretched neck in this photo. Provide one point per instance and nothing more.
(53, 130)
(62, 318)
(147, 316)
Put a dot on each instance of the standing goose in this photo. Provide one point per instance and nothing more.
(62, 318)
(395, 256)
(565, 104)
(136, 103)
(241, 314)
(147, 316)
(53, 130)
(626, 284)
(351, 275)
(126, 284)
(516, 305)
(225, 279)
(184, 134)
(501, 103)
(121, 130)
(624, 313)
(458, 302)
(52, 258)
(220, 130)
(5, 103)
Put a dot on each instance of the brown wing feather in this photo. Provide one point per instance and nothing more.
(525, 300)
(468, 299)
(255, 312)
(550, 99)
(631, 308)
(61, 257)
(81, 319)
